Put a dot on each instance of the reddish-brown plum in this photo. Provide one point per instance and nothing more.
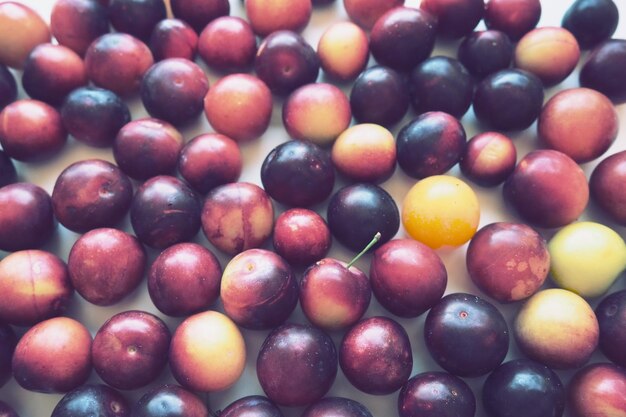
(8, 174)
(611, 314)
(92, 400)
(130, 349)
(170, 401)
(26, 216)
(173, 90)
(31, 130)
(336, 407)
(145, 148)
(436, 394)
(228, 44)
(513, 17)
(489, 159)
(77, 23)
(237, 216)
(21, 29)
(91, 193)
(53, 356)
(431, 144)
(301, 236)
(365, 13)
(6, 410)
(379, 95)
(165, 211)
(136, 17)
(199, 13)
(455, 18)
(173, 38)
(375, 355)
(598, 390)
(547, 189)
(8, 87)
(605, 186)
(267, 16)
(403, 37)
(343, 50)
(117, 62)
(35, 286)
(602, 70)
(466, 335)
(591, 21)
(510, 99)
(298, 173)
(407, 277)
(8, 340)
(258, 289)
(296, 365)
(485, 52)
(286, 61)
(252, 406)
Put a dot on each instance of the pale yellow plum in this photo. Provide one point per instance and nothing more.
(343, 50)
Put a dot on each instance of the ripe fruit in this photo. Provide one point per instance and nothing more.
(267, 16)
(92, 399)
(489, 159)
(21, 29)
(611, 313)
(605, 186)
(343, 50)
(598, 390)
(170, 401)
(301, 236)
(436, 394)
(602, 70)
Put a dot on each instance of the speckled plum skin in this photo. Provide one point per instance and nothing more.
(267, 16)
(489, 159)
(375, 355)
(92, 399)
(252, 406)
(547, 189)
(199, 13)
(301, 236)
(237, 216)
(53, 356)
(90, 194)
(602, 70)
(137, 18)
(336, 407)
(365, 13)
(605, 186)
(95, 277)
(228, 44)
(455, 18)
(173, 38)
(35, 286)
(76, 23)
(169, 401)
(407, 277)
(6, 410)
(8, 340)
(611, 314)
(485, 52)
(598, 390)
(515, 18)
(165, 211)
(436, 394)
(508, 261)
(26, 216)
(8, 87)
(296, 365)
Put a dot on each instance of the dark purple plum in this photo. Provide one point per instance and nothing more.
(90, 194)
(375, 355)
(199, 13)
(591, 21)
(251, 406)
(136, 17)
(611, 314)
(76, 23)
(515, 18)
(285, 61)
(8, 87)
(605, 186)
(510, 99)
(485, 52)
(94, 115)
(6, 410)
(380, 96)
(431, 144)
(441, 84)
(357, 212)
(301, 236)
(173, 38)
(298, 173)
(170, 401)
(336, 407)
(436, 394)
(297, 364)
(523, 388)
(26, 216)
(92, 400)
(602, 70)
(466, 335)
(173, 90)
(8, 174)
(403, 37)
(8, 340)
(165, 211)
(455, 18)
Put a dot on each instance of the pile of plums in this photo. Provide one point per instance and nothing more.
(373, 94)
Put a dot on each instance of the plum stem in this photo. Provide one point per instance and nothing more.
(375, 239)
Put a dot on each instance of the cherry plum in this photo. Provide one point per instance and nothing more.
(21, 29)
(137, 18)
(602, 70)
(173, 38)
(92, 399)
(591, 21)
(228, 44)
(199, 13)
(513, 17)
(77, 23)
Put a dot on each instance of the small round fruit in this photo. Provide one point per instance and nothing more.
(605, 186)
(77, 23)
(557, 328)
(336, 407)
(137, 18)
(228, 44)
(199, 13)
(436, 394)
(343, 50)
(21, 29)
(365, 13)
(602, 71)
(173, 38)
(207, 352)
(170, 401)
(455, 18)
(253, 406)
(611, 314)
(8, 87)
(301, 236)
(441, 211)
(489, 159)
(508, 261)
(513, 17)
(591, 21)
(598, 390)
(267, 16)
(485, 52)
(8, 340)
(92, 400)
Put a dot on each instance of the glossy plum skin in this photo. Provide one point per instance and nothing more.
(173, 38)
(8, 174)
(169, 401)
(252, 406)
(21, 29)
(8, 340)
(583, 19)
(228, 44)
(598, 390)
(267, 16)
(455, 18)
(430, 144)
(184, 279)
(8, 87)
(76, 23)
(547, 189)
(508, 261)
(515, 18)
(379, 95)
(375, 355)
(173, 90)
(296, 365)
(357, 212)
(336, 407)
(365, 13)
(6, 410)
(403, 37)
(94, 115)
(605, 186)
(602, 70)
(104, 198)
(611, 314)
(92, 399)
(95, 277)
(26, 216)
(407, 277)
(343, 50)
(301, 236)
(489, 159)
(485, 52)
(137, 18)
(298, 173)
(258, 289)
(466, 335)
(199, 13)
(523, 388)
(436, 394)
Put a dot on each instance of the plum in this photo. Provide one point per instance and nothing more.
(228, 44)
(173, 38)
(485, 52)
(489, 159)
(436, 394)
(605, 186)
(365, 13)
(199, 13)
(76, 23)
(343, 50)
(8, 87)
(301, 236)
(583, 19)
(92, 400)
(267, 16)
(611, 314)
(8, 340)
(602, 70)
(455, 18)
(336, 407)
(21, 29)
(598, 390)
(251, 406)
(6, 410)
(136, 17)
(170, 401)
(513, 17)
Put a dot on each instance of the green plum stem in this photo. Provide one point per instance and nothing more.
(375, 239)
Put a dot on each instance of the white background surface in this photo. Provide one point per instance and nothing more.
(30, 404)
